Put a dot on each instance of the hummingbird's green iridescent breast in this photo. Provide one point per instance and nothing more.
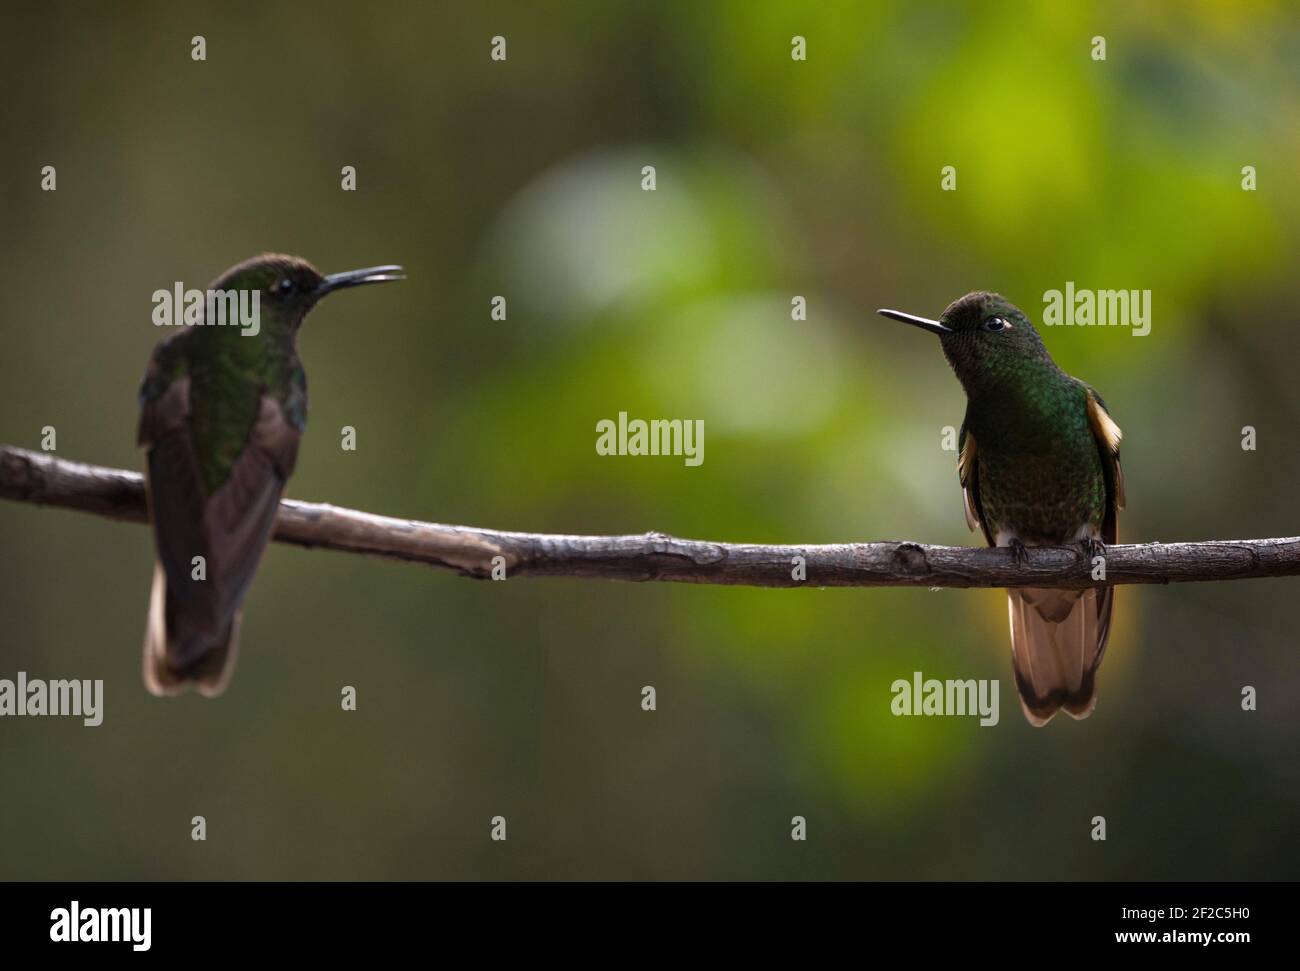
(227, 381)
(1041, 477)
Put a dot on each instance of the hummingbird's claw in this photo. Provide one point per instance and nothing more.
(1018, 552)
(1092, 548)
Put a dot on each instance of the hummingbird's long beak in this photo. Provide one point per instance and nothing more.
(925, 323)
(356, 278)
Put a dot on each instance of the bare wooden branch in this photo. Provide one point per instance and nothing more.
(117, 494)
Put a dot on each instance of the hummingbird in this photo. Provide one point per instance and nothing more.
(221, 411)
(1038, 464)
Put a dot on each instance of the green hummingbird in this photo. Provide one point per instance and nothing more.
(221, 411)
(1039, 466)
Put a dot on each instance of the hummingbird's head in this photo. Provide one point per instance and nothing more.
(288, 286)
(985, 337)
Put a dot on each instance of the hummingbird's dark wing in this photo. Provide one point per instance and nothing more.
(1108, 437)
(193, 623)
(968, 473)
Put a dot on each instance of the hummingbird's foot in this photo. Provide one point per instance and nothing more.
(1019, 552)
(1092, 548)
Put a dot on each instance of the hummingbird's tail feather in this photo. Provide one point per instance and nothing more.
(212, 660)
(1058, 638)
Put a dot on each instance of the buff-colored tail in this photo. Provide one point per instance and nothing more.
(1058, 638)
(178, 655)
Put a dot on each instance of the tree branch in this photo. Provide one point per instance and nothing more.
(117, 494)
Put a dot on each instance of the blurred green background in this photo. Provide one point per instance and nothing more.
(775, 178)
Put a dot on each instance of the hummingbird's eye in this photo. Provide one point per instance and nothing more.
(997, 323)
(283, 287)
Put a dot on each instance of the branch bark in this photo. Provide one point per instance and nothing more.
(118, 494)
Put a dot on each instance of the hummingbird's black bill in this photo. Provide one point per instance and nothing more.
(356, 278)
(925, 323)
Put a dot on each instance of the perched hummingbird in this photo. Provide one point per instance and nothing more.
(221, 412)
(1039, 466)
